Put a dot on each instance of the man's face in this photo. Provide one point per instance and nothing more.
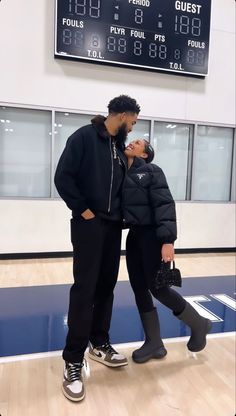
(127, 121)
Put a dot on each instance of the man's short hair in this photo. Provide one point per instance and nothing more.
(123, 104)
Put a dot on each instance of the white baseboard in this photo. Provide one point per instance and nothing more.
(132, 345)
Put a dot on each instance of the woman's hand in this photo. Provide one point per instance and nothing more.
(167, 252)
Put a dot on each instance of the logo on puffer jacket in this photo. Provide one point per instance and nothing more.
(141, 175)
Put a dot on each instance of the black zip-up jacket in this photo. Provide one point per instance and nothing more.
(146, 200)
(84, 174)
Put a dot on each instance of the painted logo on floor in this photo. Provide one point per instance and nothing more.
(34, 319)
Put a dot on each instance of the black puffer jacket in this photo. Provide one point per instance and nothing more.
(84, 175)
(147, 200)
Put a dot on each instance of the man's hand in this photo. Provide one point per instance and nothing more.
(167, 252)
(87, 214)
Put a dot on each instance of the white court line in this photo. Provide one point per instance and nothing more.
(49, 354)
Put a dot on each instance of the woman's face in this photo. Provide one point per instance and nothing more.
(136, 148)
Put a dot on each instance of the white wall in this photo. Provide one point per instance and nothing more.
(29, 75)
(42, 226)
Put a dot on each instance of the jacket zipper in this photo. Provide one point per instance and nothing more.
(112, 174)
(122, 160)
(126, 171)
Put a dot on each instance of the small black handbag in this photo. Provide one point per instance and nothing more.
(167, 276)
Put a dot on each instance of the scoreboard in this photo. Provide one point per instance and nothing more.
(158, 35)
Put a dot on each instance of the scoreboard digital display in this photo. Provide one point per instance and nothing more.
(158, 35)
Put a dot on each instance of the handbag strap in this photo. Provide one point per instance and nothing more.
(171, 263)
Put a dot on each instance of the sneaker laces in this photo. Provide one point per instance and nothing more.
(108, 348)
(74, 370)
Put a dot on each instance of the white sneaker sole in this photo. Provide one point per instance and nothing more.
(73, 399)
(107, 363)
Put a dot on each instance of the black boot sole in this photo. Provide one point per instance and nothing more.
(202, 346)
(156, 355)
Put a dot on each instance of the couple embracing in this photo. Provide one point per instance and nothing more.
(108, 186)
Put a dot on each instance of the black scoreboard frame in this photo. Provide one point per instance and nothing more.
(190, 9)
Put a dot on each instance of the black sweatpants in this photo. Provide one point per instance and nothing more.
(96, 256)
(143, 258)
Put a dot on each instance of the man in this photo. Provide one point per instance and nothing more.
(89, 176)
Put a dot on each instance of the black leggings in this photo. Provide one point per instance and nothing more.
(143, 257)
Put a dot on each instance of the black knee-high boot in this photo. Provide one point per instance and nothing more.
(153, 346)
(199, 325)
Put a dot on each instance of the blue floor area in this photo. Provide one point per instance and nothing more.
(33, 319)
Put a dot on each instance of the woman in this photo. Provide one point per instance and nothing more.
(149, 212)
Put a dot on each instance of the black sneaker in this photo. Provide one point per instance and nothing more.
(106, 354)
(73, 386)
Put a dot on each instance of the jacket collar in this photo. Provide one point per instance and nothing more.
(138, 161)
(98, 123)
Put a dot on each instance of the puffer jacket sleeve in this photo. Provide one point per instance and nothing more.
(163, 207)
(67, 171)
